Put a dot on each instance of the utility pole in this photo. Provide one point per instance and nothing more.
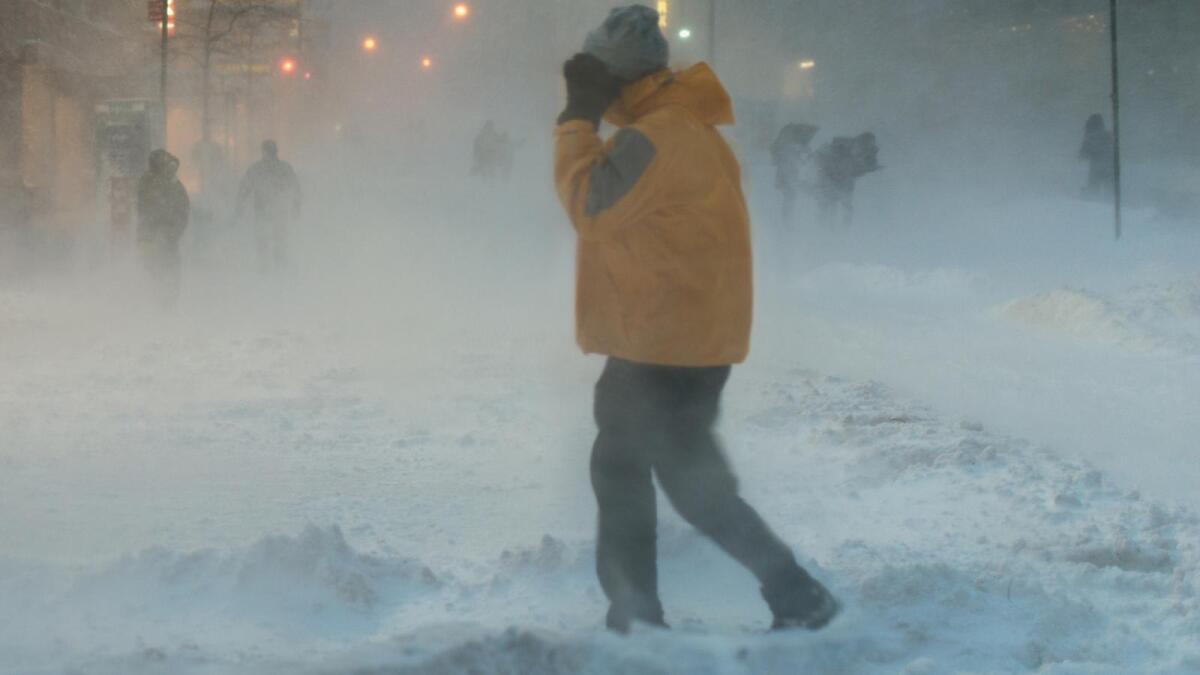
(162, 75)
(205, 71)
(1116, 114)
(712, 33)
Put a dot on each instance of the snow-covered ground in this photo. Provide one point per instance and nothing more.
(975, 420)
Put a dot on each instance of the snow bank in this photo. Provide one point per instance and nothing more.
(955, 549)
(1146, 318)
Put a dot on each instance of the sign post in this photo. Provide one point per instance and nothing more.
(1116, 114)
(162, 76)
(162, 13)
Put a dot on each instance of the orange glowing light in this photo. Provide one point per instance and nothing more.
(288, 66)
(462, 10)
(370, 44)
(426, 62)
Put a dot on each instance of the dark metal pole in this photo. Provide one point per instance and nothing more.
(162, 75)
(712, 33)
(1116, 114)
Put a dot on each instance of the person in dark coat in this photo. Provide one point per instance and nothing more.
(272, 187)
(789, 152)
(840, 163)
(163, 210)
(1097, 151)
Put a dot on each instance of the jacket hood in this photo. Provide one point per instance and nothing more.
(164, 163)
(696, 89)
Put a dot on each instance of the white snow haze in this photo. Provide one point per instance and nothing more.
(973, 411)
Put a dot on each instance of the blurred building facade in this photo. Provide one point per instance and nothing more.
(58, 59)
(69, 68)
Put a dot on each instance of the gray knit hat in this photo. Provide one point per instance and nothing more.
(629, 42)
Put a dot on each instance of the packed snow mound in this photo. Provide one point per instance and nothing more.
(1076, 313)
(1163, 318)
(281, 587)
(953, 548)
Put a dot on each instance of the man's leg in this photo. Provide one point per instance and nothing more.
(699, 481)
(279, 231)
(172, 272)
(700, 484)
(262, 243)
(626, 546)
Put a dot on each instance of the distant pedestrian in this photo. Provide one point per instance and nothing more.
(789, 153)
(163, 211)
(664, 292)
(1097, 151)
(271, 186)
(840, 163)
(492, 153)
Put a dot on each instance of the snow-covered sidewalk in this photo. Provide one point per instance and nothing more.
(273, 501)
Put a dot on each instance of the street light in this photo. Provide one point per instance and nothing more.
(287, 66)
(685, 33)
(806, 64)
(426, 63)
(461, 11)
(156, 14)
(370, 44)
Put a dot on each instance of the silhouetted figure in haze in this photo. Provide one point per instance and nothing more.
(664, 292)
(789, 152)
(163, 210)
(840, 163)
(271, 185)
(492, 153)
(1097, 151)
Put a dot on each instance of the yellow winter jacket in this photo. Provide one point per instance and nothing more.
(664, 262)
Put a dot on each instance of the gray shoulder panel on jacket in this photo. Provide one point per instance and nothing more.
(615, 176)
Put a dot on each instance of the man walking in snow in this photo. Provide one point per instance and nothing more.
(840, 163)
(271, 185)
(789, 152)
(664, 291)
(163, 212)
(1097, 150)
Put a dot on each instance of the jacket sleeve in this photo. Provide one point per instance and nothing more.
(605, 187)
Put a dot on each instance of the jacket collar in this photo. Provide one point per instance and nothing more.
(697, 89)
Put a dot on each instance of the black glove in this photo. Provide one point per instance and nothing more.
(591, 89)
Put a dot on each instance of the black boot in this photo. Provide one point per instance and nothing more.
(799, 601)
